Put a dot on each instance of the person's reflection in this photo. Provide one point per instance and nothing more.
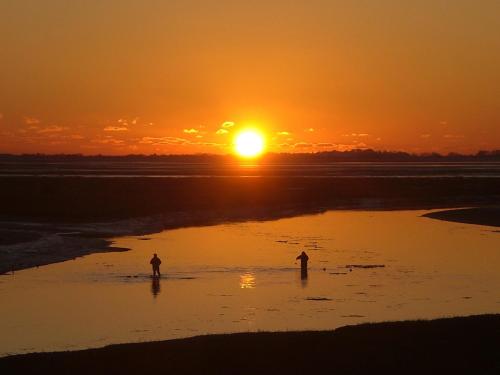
(303, 274)
(303, 277)
(155, 286)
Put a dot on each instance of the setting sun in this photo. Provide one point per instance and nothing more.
(249, 143)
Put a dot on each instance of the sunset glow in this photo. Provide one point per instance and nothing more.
(249, 143)
(329, 76)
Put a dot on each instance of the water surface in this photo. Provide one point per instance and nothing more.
(243, 277)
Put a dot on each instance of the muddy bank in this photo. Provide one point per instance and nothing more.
(33, 244)
(478, 215)
(465, 345)
(49, 248)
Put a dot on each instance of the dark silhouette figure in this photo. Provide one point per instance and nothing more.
(303, 265)
(155, 286)
(155, 262)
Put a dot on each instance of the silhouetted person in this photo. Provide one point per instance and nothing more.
(155, 262)
(303, 264)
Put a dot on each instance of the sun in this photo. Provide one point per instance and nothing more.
(249, 143)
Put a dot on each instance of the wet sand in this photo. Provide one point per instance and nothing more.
(462, 345)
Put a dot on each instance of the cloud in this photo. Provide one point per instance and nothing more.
(453, 136)
(175, 141)
(109, 141)
(163, 141)
(282, 133)
(310, 130)
(223, 130)
(303, 145)
(356, 135)
(190, 131)
(323, 145)
(348, 147)
(31, 120)
(211, 144)
(115, 129)
(133, 121)
(52, 129)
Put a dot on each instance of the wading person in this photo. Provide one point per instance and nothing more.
(155, 262)
(303, 264)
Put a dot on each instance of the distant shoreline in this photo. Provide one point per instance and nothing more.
(460, 345)
(355, 155)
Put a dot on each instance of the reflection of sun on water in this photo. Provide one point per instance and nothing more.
(249, 143)
(247, 281)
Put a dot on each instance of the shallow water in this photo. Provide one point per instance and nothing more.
(243, 277)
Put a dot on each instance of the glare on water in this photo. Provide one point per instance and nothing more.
(244, 277)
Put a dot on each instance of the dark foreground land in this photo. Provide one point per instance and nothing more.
(78, 199)
(468, 345)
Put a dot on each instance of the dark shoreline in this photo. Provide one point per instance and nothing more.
(489, 216)
(461, 345)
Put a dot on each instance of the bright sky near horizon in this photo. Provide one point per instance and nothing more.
(127, 76)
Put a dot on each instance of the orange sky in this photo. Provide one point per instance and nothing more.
(120, 77)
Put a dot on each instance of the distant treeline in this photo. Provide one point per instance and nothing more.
(358, 155)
